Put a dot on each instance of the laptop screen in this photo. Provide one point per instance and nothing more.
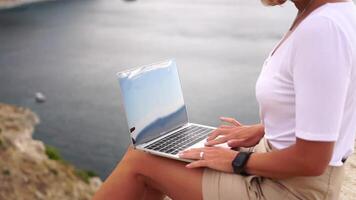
(153, 100)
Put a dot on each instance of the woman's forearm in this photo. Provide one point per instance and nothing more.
(276, 164)
(305, 158)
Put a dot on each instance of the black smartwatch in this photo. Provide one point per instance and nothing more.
(238, 164)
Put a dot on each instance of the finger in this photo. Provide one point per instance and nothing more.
(236, 142)
(190, 155)
(194, 153)
(216, 141)
(230, 121)
(226, 127)
(218, 132)
(199, 163)
(194, 150)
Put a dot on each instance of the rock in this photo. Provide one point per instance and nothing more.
(26, 172)
(95, 183)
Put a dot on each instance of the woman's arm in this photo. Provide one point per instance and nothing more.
(305, 158)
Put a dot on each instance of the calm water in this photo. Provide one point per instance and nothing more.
(71, 50)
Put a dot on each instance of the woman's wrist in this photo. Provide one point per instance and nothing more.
(260, 129)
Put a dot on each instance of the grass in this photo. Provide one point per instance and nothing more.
(53, 153)
(85, 175)
(2, 143)
(6, 172)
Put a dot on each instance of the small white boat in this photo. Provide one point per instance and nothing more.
(40, 98)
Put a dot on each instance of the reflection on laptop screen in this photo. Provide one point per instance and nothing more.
(153, 100)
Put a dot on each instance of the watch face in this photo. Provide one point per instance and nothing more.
(238, 164)
(239, 161)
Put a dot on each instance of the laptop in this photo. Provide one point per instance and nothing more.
(156, 113)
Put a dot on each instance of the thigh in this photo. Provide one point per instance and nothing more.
(225, 186)
(169, 176)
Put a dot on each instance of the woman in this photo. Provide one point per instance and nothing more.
(307, 97)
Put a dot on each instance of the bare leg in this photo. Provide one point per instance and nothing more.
(153, 194)
(140, 175)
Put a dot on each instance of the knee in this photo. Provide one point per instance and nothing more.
(136, 160)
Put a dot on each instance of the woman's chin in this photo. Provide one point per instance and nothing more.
(273, 2)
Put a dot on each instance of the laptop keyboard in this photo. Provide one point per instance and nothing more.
(181, 139)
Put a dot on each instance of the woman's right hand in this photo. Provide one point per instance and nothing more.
(236, 134)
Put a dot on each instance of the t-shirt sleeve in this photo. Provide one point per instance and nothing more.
(321, 67)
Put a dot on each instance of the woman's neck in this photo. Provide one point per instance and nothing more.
(306, 6)
(301, 4)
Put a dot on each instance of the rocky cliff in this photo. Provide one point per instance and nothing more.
(29, 169)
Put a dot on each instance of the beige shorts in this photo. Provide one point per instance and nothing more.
(226, 186)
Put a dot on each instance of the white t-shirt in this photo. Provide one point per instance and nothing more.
(307, 89)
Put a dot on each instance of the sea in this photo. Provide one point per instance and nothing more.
(70, 51)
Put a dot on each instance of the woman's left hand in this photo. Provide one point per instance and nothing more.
(217, 158)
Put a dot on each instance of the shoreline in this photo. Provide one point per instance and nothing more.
(8, 4)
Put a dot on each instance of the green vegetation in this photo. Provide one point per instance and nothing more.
(6, 172)
(53, 153)
(2, 143)
(85, 175)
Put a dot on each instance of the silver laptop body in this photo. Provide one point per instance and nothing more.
(156, 113)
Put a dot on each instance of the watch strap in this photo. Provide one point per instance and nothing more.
(239, 163)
